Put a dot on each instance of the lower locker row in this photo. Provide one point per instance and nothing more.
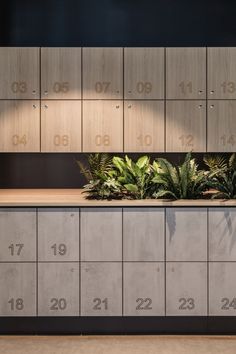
(107, 126)
(116, 289)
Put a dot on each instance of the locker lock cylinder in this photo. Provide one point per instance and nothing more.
(33, 92)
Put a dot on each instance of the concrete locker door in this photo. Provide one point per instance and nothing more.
(222, 289)
(186, 289)
(102, 126)
(185, 126)
(102, 73)
(17, 289)
(19, 73)
(144, 289)
(61, 126)
(101, 234)
(222, 234)
(19, 126)
(186, 73)
(101, 289)
(61, 73)
(221, 126)
(144, 126)
(221, 73)
(144, 73)
(17, 235)
(58, 289)
(58, 234)
(143, 234)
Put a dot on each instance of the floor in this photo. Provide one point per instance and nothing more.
(117, 344)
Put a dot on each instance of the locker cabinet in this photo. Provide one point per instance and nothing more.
(19, 126)
(102, 73)
(17, 289)
(102, 126)
(186, 73)
(17, 235)
(186, 234)
(222, 289)
(144, 73)
(61, 126)
(222, 230)
(58, 289)
(143, 234)
(221, 126)
(101, 234)
(186, 289)
(61, 73)
(19, 73)
(144, 126)
(221, 73)
(101, 292)
(185, 126)
(58, 234)
(144, 289)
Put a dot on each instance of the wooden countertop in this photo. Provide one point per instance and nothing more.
(74, 197)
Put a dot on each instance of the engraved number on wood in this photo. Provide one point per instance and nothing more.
(61, 87)
(228, 140)
(186, 304)
(144, 140)
(144, 87)
(186, 87)
(60, 249)
(19, 140)
(19, 86)
(228, 304)
(16, 304)
(102, 87)
(186, 140)
(100, 304)
(58, 304)
(61, 140)
(144, 303)
(102, 140)
(15, 249)
(228, 87)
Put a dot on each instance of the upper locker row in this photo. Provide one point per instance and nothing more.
(110, 73)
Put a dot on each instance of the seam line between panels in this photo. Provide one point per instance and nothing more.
(208, 283)
(165, 261)
(165, 99)
(122, 263)
(123, 100)
(79, 262)
(82, 102)
(206, 100)
(40, 99)
(37, 296)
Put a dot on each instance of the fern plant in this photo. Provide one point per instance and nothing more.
(135, 177)
(179, 182)
(101, 176)
(222, 175)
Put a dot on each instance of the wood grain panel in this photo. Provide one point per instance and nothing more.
(186, 73)
(221, 134)
(61, 73)
(19, 126)
(221, 73)
(144, 126)
(185, 126)
(102, 73)
(144, 73)
(61, 126)
(19, 73)
(102, 126)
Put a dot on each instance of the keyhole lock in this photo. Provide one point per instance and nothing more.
(200, 106)
(45, 92)
(33, 92)
(34, 106)
(200, 91)
(212, 91)
(211, 106)
(46, 106)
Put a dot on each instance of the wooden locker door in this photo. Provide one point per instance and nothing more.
(221, 126)
(185, 126)
(144, 73)
(61, 126)
(61, 73)
(186, 73)
(102, 126)
(19, 126)
(144, 126)
(19, 73)
(221, 73)
(102, 73)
